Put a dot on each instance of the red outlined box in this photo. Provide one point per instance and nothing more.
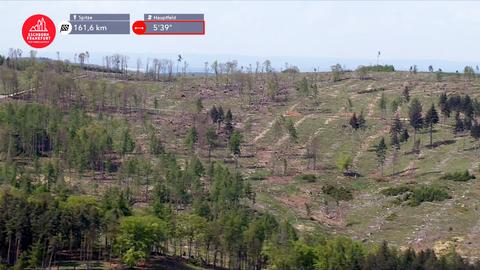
(174, 33)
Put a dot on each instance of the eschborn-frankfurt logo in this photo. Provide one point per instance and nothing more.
(38, 31)
(65, 27)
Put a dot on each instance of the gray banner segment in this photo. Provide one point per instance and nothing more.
(174, 27)
(167, 17)
(99, 17)
(100, 27)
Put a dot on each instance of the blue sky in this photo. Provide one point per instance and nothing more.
(286, 31)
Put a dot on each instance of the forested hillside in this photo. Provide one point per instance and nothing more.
(237, 168)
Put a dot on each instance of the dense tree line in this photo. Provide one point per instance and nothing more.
(466, 111)
(197, 213)
(451, 104)
(343, 253)
(82, 142)
(57, 83)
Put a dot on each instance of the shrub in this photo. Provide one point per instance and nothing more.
(394, 191)
(415, 196)
(259, 175)
(310, 178)
(338, 193)
(428, 194)
(344, 162)
(292, 69)
(458, 176)
(371, 90)
(381, 68)
(392, 217)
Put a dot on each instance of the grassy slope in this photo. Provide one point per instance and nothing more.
(370, 216)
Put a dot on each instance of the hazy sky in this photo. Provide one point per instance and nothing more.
(445, 30)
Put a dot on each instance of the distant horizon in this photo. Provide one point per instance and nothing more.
(196, 61)
(304, 33)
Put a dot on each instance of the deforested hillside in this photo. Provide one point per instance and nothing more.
(237, 168)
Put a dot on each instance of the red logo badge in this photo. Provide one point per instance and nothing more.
(38, 31)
